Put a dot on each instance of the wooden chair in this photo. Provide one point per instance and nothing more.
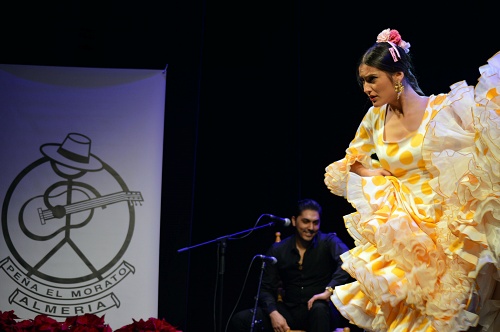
(280, 297)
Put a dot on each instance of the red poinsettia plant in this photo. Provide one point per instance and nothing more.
(152, 324)
(10, 322)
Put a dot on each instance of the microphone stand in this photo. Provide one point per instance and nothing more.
(222, 246)
(222, 267)
(257, 296)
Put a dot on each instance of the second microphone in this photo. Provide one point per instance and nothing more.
(269, 259)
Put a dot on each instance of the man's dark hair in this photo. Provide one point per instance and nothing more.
(307, 204)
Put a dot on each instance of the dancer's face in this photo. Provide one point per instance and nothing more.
(378, 85)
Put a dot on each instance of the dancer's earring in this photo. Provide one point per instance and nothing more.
(399, 88)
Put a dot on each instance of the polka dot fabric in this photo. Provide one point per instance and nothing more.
(427, 238)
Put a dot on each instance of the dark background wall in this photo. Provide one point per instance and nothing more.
(261, 96)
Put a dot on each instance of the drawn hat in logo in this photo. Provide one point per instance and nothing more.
(74, 152)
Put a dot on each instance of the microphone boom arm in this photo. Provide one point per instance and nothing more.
(227, 236)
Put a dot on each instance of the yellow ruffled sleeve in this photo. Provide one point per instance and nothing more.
(361, 149)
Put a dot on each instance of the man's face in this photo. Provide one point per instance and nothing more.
(307, 224)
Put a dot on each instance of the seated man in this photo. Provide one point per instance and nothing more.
(308, 268)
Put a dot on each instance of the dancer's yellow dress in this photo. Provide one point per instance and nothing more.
(427, 239)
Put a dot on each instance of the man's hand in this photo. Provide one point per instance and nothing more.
(278, 322)
(322, 296)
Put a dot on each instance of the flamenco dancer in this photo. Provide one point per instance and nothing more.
(422, 173)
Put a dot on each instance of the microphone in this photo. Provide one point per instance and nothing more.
(269, 259)
(281, 221)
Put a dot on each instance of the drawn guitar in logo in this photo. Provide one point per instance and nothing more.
(52, 221)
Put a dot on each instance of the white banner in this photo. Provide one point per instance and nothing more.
(80, 187)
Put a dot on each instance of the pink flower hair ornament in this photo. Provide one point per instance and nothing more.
(394, 38)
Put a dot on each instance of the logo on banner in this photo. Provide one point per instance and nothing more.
(67, 220)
